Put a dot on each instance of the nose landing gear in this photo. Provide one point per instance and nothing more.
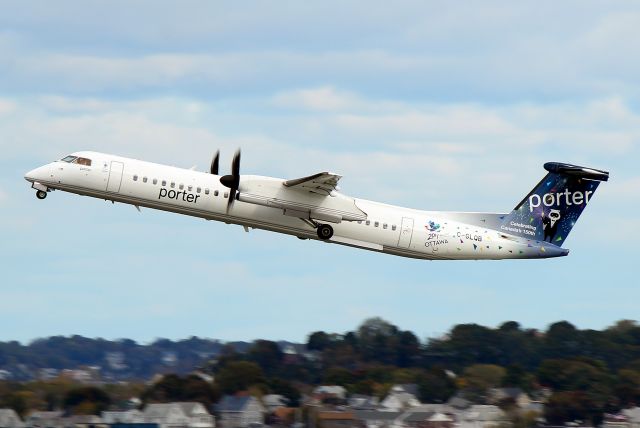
(41, 194)
(325, 231)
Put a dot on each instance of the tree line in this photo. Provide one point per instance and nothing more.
(587, 372)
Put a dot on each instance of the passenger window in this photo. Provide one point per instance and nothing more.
(206, 191)
(181, 187)
(198, 190)
(155, 181)
(368, 222)
(216, 193)
(393, 227)
(135, 178)
(226, 194)
(173, 184)
(83, 161)
(384, 226)
(190, 188)
(164, 182)
(144, 179)
(376, 224)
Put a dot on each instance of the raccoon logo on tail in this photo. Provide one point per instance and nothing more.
(550, 224)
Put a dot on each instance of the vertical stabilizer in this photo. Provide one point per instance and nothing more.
(552, 208)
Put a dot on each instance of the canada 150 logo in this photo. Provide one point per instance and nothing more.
(432, 226)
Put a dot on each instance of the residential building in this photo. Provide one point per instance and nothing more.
(330, 391)
(363, 402)
(127, 417)
(10, 419)
(336, 419)
(179, 415)
(628, 418)
(198, 415)
(273, 401)
(425, 419)
(240, 411)
(399, 399)
(517, 395)
(376, 418)
(40, 419)
(85, 421)
(482, 416)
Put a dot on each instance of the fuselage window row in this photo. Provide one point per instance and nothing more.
(180, 186)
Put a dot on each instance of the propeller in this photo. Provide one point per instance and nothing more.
(232, 181)
(215, 162)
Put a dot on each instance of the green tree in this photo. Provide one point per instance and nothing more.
(266, 354)
(517, 377)
(286, 389)
(87, 400)
(479, 378)
(563, 407)
(175, 388)
(318, 341)
(627, 388)
(239, 376)
(435, 386)
(338, 376)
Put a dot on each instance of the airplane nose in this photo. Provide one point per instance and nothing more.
(38, 174)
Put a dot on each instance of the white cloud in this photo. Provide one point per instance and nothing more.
(323, 98)
(6, 106)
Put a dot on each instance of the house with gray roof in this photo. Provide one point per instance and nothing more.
(127, 417)
(363, 402)
(482, 416)
(84, 421)
(274, 401)
(628, 418)
(399, 399)
(10, 419)
(425, 419)
(375, 418)
(178, 415)
(52, 419)
(333, 391)
(239, 411)
(517, 395)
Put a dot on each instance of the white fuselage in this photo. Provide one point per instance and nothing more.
(390, 229)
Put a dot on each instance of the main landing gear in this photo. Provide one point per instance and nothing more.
(41, 194)
(325, 231)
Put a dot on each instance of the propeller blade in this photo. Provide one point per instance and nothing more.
(215, 163)
(232, 198)
(235, 166)
(232, 181)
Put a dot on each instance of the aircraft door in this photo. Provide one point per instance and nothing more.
(115, 177)
(406, 232)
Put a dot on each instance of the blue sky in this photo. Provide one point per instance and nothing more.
(432, 105)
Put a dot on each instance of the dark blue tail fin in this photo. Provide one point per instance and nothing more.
(551, 209)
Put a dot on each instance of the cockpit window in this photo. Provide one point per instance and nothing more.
(83, 161)
(69, 159)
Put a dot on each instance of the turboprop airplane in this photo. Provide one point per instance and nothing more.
(313, 208)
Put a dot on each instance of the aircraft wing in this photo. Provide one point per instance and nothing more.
(322, 183)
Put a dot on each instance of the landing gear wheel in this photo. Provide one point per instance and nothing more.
(41, 194)
(325, 231)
